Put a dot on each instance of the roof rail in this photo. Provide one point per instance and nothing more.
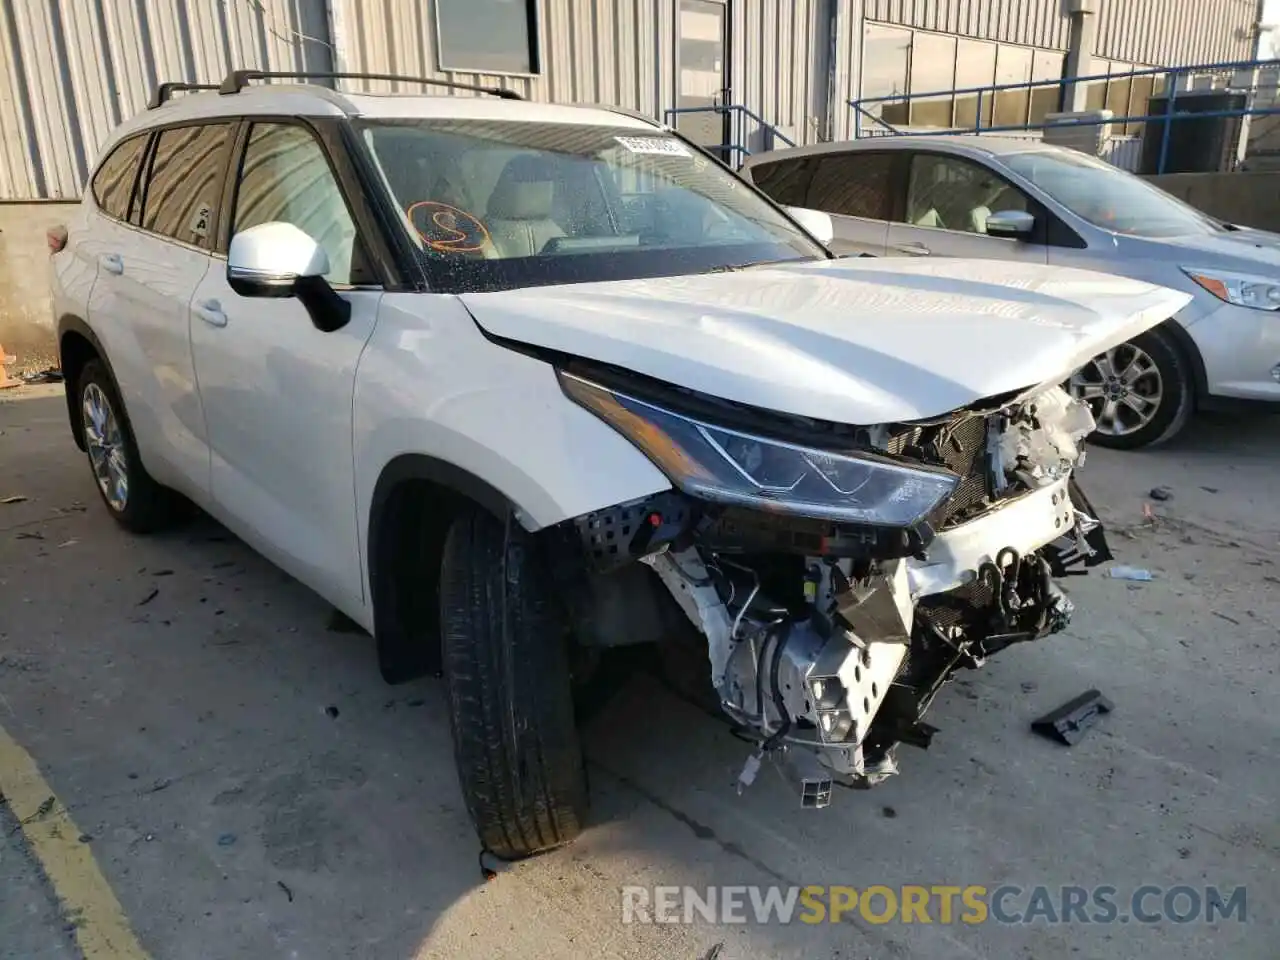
(237, 80)
(166, 91)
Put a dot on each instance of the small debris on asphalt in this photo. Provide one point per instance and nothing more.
(85, 838)
(888, 813)
(1130, 573)
(331, 712)
(159, 785)
(285, 887)
(1161, 493)
(29, 535)
(17, 498)
(1029, 686)
(1225, 617)
(155, 592)
(415, 702)
(226, 840)
(68, 543)
(491, 864)
(1069, 723)
(162, 573)
(1209, 489)
(133, 776)
(52, 375)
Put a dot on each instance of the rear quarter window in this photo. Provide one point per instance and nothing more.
(184, 184)
(113, 184)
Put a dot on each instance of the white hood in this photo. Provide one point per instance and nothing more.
(853, 341)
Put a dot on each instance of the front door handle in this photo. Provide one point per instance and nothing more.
(112, 263)
(915, 248)
(210, 311)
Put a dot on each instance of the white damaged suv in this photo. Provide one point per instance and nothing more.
(510, 384)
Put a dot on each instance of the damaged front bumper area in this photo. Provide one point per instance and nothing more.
(827, 640)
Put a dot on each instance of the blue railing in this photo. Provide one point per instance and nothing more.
(738, 117)
(1168, 115)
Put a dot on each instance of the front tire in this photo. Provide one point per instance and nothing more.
(506, 668)
(1141, 393)
(135, 500)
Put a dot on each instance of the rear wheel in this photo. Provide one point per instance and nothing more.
(1140, 392)
(135, 500)
(506, 668)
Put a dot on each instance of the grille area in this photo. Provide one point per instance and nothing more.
(965, 453)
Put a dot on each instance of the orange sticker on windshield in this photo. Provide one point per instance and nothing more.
(447, 229)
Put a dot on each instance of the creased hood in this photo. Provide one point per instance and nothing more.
(857, 341)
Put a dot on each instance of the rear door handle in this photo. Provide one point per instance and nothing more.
(210, 311)
(112, 263)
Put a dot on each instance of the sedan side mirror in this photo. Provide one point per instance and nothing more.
(1014, 224)
(816, 222)
(278, 259)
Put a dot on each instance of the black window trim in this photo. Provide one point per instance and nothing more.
(144, 135)
(533, 13)
(138, 202)
(334, 146)
(1049, 226)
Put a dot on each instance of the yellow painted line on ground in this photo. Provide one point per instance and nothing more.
(101, 929)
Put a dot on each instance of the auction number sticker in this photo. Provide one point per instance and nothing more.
(664, 146)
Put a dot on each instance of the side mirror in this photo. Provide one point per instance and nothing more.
(816, 222)
(279, 260)
(1014, 224)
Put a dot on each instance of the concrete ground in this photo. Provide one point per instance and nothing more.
(249, 787)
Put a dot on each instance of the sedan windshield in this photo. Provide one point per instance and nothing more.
(1108, 197)
(499, 204)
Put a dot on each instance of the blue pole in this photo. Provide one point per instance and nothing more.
(1168, 120)
(977, 118)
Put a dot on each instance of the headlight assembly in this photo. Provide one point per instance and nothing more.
(728, 466)
(1260, 293)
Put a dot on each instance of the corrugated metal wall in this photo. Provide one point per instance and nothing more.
(780, 53)
(71, 70)
(1158, 32)
(1175, 32)
(1036, 23)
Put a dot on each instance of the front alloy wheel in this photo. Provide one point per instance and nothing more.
(1139, 392)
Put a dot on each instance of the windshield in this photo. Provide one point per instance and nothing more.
(500, 204)
(1108, 197)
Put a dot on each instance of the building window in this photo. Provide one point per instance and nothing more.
(886, 56)
(897, 61)
(487, 36)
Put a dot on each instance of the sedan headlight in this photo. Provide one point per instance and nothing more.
(729, 466)
(1260, 293)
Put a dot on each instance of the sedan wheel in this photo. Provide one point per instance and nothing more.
(1138, 392)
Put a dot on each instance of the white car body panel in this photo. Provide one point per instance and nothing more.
(431, 384)
(858, 342)
(141, 314)
(277, 400)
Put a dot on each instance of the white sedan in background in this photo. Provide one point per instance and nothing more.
(1009, 199)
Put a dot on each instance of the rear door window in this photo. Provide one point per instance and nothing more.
(951, 193)
(184, 182)
(853, 185)
(112, 185)
(785, 181)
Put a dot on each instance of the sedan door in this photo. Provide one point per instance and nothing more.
(948, 200)
(277, 390)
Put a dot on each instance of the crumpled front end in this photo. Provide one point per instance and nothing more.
(827, 640)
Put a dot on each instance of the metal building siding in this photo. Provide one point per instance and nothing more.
(70, 71)
(590, 51)
(1035, 23)
(778, 51)
(1175, 32)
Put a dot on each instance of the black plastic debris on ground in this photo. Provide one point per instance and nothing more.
(1071, 721)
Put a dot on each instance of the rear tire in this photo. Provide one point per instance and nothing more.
(1151, 409)
(506, 669)
(129, 493)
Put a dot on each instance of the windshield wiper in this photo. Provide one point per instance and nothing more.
(736, 267)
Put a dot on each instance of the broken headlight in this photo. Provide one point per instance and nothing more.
(729, 466)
